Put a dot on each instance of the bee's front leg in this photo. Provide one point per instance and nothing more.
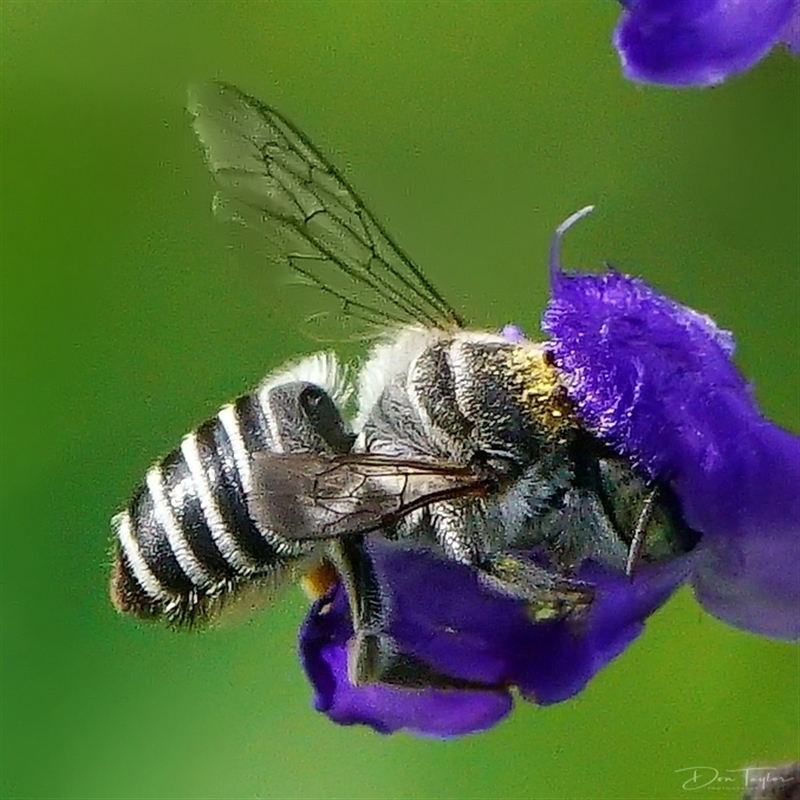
(549, 595)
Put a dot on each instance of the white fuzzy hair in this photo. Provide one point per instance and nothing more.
(322, 369)
(394, 356)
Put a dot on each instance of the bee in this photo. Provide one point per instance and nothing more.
(460, 442)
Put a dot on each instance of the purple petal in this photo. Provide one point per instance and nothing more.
(751, 575)
(513, 333)
(443, 616)
(654, 379)
(698, 42)
(429, 712)
(557, 659)
(790, 35)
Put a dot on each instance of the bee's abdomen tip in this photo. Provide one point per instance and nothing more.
(127, 596)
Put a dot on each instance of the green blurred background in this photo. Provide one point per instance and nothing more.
(472, 129)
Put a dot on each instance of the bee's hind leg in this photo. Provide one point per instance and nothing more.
(374, 656)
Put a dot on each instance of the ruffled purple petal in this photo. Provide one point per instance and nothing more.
(654, 379)
(700, 42)
(443, 616)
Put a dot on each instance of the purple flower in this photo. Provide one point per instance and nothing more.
(701, 42)
(654, 380)
(447, 619)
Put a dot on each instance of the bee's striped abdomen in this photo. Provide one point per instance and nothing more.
(187, 538)
(222, 463)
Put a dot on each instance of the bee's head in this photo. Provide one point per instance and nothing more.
(512, 395)
(535, 383)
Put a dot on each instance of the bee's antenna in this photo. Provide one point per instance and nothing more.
(555, 247)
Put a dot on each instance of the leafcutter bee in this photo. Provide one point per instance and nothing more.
(461, 442)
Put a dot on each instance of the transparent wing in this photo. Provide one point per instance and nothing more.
(273, 181)
(306, 496)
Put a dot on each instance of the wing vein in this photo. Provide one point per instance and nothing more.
(276, 183)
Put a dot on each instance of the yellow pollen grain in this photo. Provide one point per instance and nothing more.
(317, 582)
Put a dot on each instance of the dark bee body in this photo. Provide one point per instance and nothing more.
(463, 442)
(478, 401)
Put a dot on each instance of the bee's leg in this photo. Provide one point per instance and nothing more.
(374, 656)
(640, 533)
(371, 650)
(549, 595)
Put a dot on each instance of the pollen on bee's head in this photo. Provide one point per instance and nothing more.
(540, 389)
